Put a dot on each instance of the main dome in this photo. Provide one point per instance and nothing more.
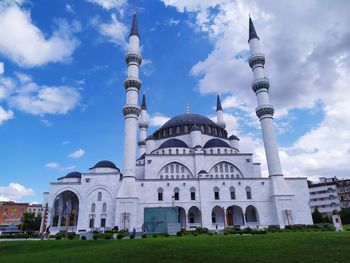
(189, 118)
(184, 124)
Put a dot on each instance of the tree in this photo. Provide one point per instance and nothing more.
(31, 222)
(345, 215)
(317, 216)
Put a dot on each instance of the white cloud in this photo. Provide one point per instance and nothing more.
(5, 115)
(52, 165)
(65, 142)
(157, 120)
(16, 28)
(69, 9)
(109, 4)
(14, 192)
(68, 168)
(77, 154)
(2, 68)
(115, 31)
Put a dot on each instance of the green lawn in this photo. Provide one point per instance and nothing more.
(273, 247)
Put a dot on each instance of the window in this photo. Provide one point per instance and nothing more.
(231, 169)
(160, 194)
(169, 151)
(177, 168)
(104, 208)
(103, 222)
(178, 129)
(176, 194)
(232, 193)
(216, 169)
(213, 217)
(249, 192)
(216, 193)
(99, 196)
(177, 151)
(91, 222)
(172, 168)
(191, 218)
(182, 169)
(166, 169)
(193, 193)
(93, 208)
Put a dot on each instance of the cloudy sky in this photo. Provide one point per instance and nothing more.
(62, 69)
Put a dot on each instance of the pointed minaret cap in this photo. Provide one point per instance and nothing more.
(218, 103)
(252, 32)
(143, 103)
(134, 28)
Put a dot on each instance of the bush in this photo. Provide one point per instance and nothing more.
(201, 230)
(179, 234)
(167, 235)
(71, 236)
(144, 235)
(195, 234)
(154, 235)
(58, 237)
(210, 233)
(95, 236)
(107, 236)
(95, 232)
(83, 238)
(273, 227)
(132, 236)
(120, 236)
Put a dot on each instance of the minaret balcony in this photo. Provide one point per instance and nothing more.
(133, 58)
(130, 109)
(132, 83)
(262, 83)
(257, 60)
(266, 109)
(143, 125)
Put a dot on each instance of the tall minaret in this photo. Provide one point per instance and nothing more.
(265, 112)
(219, 113)
(143, 126)
(127, 197)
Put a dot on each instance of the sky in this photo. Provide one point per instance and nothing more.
(62, 66)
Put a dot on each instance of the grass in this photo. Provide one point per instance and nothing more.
(274, 247)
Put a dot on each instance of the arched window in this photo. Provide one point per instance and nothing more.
(177, 151)
(232, 193)
(226, 167)
(213, 217)
(160, 194)
(176, 193)
(166, 169)
(182, 169)
(172, 168)
(193, 193)
(192, 218)
(216, 169)
(177, 168)
(231, 169)
(104, 208)
(161, 177)
(249, 192)
(169, 151)
(93, 208)
(216, 193)
(99, 196)
(221, 168)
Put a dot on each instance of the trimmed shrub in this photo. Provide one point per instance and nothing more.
(210, 233)
(71, 236)
(83, 238)
(95, 236)
(154, 235)
(58, 237)
(120, 236)
(132, 236)
(179, 234)
(144, 236)
(107, 236)
(167, 235)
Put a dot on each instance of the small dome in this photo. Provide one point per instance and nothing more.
(202, 172)
(173, 143)
(233, 137)
(105, 164)
(73, 175)
(198, 146)
(213, 143)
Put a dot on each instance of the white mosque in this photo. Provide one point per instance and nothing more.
(190, 173)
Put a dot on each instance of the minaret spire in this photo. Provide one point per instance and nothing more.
(252, 32)
(281, 194)
(219, 113)
(143, 126)
(134, 27)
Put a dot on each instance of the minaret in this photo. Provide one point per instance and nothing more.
(219, 113)
(265, 112)
(126, 205)
(143, 126)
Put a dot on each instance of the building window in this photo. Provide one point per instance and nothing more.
(216, 193)
(104, 208)
(193, 193)
(232, 193)
(216, 169)
(177, 151)
(191, 218)
(91, 222)
(103, 222)
(99, 196)
(160, 194)
(172, 168)
(249, 192)
(93, 208)
(166, 169)
(176, 194)
(213, 217)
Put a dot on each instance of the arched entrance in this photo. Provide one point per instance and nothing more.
(181, 217)
(251, 215)
(65, 212)
(218, 217)
(194, 217)
(234, 216)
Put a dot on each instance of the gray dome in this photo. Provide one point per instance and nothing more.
(233, 137)
(173, 143)
(105, 164)
(189, 118)
(216, 143)
(73, 175)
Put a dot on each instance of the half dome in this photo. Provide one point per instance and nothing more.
(213, 143)
(105, 164)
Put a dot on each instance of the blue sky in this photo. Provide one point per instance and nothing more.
(62, 71)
